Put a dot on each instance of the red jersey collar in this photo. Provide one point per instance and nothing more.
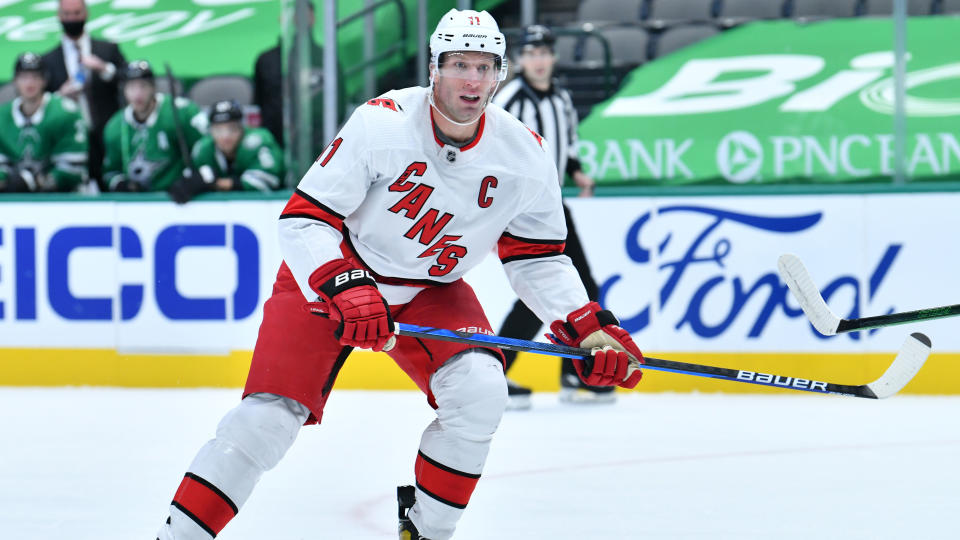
(433, 129)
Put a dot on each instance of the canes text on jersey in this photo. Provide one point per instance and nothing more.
(430, 223)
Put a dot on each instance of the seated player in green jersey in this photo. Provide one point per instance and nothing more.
(143, 152)
(43, 138)
(232, 157)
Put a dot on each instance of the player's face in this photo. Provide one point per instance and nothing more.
(29, 84)
(537, 63)
(464, 83)
(226, 135)
(139, 94)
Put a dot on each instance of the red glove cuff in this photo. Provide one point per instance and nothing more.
(350, 296)
(581, 323)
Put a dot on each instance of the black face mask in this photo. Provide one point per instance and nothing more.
(73, 29)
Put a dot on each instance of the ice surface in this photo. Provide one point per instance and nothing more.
(102, 464)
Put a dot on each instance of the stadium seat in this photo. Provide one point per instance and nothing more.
(589, 86)
(949, 6)
(7, 92)
(609, 10)
(569, 49)
(825, 8)
(580, 65)
(210, 90)
(628, 46)
(671, 11)
(678, 37)
(735, 12)
(751, 9)
(885, 7)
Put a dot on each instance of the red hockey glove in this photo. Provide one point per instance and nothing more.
(616, 358)
(351, 297)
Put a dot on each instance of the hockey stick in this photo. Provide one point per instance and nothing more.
(178, 126)
(826, 322)
(908, 362)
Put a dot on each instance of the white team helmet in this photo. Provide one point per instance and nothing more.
(469, 30)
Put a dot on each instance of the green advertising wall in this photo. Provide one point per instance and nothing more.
(197, 37)
(774, 102)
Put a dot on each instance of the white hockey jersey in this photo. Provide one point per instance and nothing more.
(390, 195)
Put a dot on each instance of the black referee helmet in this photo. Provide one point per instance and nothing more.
(537, 35)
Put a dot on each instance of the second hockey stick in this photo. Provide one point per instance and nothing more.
(826, 322)
(908, 362)
(177, 124)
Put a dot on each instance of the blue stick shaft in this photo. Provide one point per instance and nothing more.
(656, 364)
(498, 342)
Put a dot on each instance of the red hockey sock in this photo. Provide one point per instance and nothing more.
(447, 485)
(202, 502)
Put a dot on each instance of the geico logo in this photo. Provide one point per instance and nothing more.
(779, 380)
(55, 256)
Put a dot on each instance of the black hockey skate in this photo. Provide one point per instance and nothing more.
(406, 496)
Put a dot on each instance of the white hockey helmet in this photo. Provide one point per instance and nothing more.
(469, 30)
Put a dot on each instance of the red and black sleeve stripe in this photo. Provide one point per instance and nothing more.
(302, 205)
(515, 248)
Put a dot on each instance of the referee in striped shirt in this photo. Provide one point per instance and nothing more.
(534, 97)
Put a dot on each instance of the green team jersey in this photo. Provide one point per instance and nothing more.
(51, 144)
(258, 163)
(148, 152)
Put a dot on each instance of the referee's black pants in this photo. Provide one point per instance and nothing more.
(521, 323)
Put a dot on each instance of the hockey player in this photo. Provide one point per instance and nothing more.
(417, 188)
(43, 138)
(231, 157)
(142, 150)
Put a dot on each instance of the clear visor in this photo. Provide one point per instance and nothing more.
(472, 66)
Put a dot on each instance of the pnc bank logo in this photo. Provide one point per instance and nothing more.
(740, 157)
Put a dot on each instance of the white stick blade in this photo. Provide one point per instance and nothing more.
(905, 366)
(795, 275)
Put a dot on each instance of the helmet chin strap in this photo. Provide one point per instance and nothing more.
(433, 80)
